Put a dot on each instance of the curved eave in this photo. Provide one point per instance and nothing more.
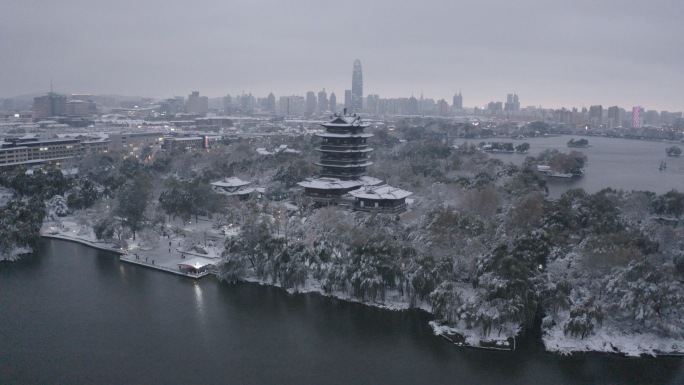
(366, 164)
(345, 125)
(334, 135)
(368, 149)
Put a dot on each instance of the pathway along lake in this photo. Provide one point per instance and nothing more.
(72, 314)
(625, 164)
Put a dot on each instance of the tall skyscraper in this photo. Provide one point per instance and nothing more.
(310, 103)
(347, 100)
(333, 103)
(458, 101)
(614, 119)
(270, 103)
(322, 101)
(227, 104)
(442, 108)
(596, 112)
(357, 87)
(512, 103)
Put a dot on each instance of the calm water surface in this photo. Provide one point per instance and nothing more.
(71, 314)
(612, 162)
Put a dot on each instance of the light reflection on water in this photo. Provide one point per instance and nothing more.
(199, 300)
(68, 321)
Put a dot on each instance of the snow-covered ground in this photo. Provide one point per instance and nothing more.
(168, 252)
(610, 340)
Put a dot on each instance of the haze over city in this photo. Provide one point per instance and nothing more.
(565, 54)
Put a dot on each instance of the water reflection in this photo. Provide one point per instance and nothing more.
(172, 329)
(199, 300)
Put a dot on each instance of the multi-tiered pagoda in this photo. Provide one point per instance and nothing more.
(344, 168)
(344, 150)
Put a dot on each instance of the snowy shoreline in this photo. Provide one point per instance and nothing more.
(609, 340)
(603, 341)
(108, 247)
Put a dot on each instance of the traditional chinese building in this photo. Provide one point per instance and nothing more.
(344, 149)
(344, 166)
(236, 187)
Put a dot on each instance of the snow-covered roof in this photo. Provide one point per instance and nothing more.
(370, 181)
(364, 164)
(330, 183)
(381, 192)
(197, 262)
(71, 171)
(231, 182)
(331, 135)
(367, 149)
(339, 120)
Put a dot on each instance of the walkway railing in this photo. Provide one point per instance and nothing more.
(127, 258)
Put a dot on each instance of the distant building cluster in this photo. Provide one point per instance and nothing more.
(82, 110)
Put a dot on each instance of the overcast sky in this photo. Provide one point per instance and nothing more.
(551, 53)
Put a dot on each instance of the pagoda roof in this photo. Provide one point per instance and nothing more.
(339, 120)
(370, 181)
(332, 135)
(367, 149)
(365, 164)
(330, 183)
(380, 192)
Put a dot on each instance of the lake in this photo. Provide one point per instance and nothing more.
(612, 162)
(72, 314)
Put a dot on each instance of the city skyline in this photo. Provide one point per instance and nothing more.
(560, 55)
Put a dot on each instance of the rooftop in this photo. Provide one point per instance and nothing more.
(380, 192)
(231, 182)
(330, 183)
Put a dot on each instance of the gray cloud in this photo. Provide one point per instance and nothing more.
(560, 53)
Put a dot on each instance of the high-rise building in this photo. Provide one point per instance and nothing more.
(637, 116)
(49, 105)
(310, 103)
(512, 103)
(652, 118)
(412, 106)
(458, 101)
(323, 101)
(357, 87)
(383, 106)
(270, 102)
(372, 103)
(442, 108)
(227, 105)
(495, 106)
(291, 105)
(333, 103)
(613, 116)
(197, 104)
(347, 100)
(596, 114)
